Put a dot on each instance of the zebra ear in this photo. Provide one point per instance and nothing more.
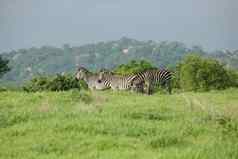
(101, 75)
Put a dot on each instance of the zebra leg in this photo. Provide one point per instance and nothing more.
(148, 88)
(140, 87)
(151, 87)
(137, 87)
(168, 87)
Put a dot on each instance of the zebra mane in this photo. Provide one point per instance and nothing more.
(105, 72)
(83, 69)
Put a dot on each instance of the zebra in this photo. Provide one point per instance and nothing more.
(90, 78)
(117, 82)
(151, 77)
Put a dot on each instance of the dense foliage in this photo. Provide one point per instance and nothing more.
(55, 83)
(26, 63)
(3, 66)
(133, 67)
(193, 73)
(197, 73)
(233, 77)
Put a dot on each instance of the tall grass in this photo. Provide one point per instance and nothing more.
(121, 125)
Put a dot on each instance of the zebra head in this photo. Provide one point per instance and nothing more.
(137, 85)
(103, 74)
(81, 73)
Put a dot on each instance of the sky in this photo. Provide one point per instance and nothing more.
(212, 24)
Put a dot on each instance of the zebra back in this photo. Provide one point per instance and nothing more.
(152, 77)
(121, 82)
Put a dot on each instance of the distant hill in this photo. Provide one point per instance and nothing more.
(26, 63)
(229, 58)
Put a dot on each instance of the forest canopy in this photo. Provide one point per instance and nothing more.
(48, 60)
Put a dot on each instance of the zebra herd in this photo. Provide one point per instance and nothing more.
(143, 82)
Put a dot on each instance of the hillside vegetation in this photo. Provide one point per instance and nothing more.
(26, 63)
(121, 125)
(192, 73)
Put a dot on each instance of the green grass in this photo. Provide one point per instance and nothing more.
(119, 125)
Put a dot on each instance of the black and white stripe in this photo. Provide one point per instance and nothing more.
(152, 77)
(90, 78)
(116, 82)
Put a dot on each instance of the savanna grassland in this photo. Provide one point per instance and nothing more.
(119, 125)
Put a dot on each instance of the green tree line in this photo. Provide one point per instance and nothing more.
(193, 73)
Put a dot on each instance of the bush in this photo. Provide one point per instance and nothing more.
(196, 73)
(3, 66)
(233, 78)
(63, 82)
(3, 89)
(133, 67)
(56, 83)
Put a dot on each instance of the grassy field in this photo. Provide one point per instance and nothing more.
(119, 125)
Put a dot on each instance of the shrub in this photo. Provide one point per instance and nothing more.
(3, 66)
(55, 83)
(63, 82)
(233, 78)
(3, 89)
(37, 84)
(197, 73)
(133, 67)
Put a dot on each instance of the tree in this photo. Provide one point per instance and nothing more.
(197, 73)
(133, 67)
(3, 66)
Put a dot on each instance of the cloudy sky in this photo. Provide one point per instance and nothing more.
(212, 24)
